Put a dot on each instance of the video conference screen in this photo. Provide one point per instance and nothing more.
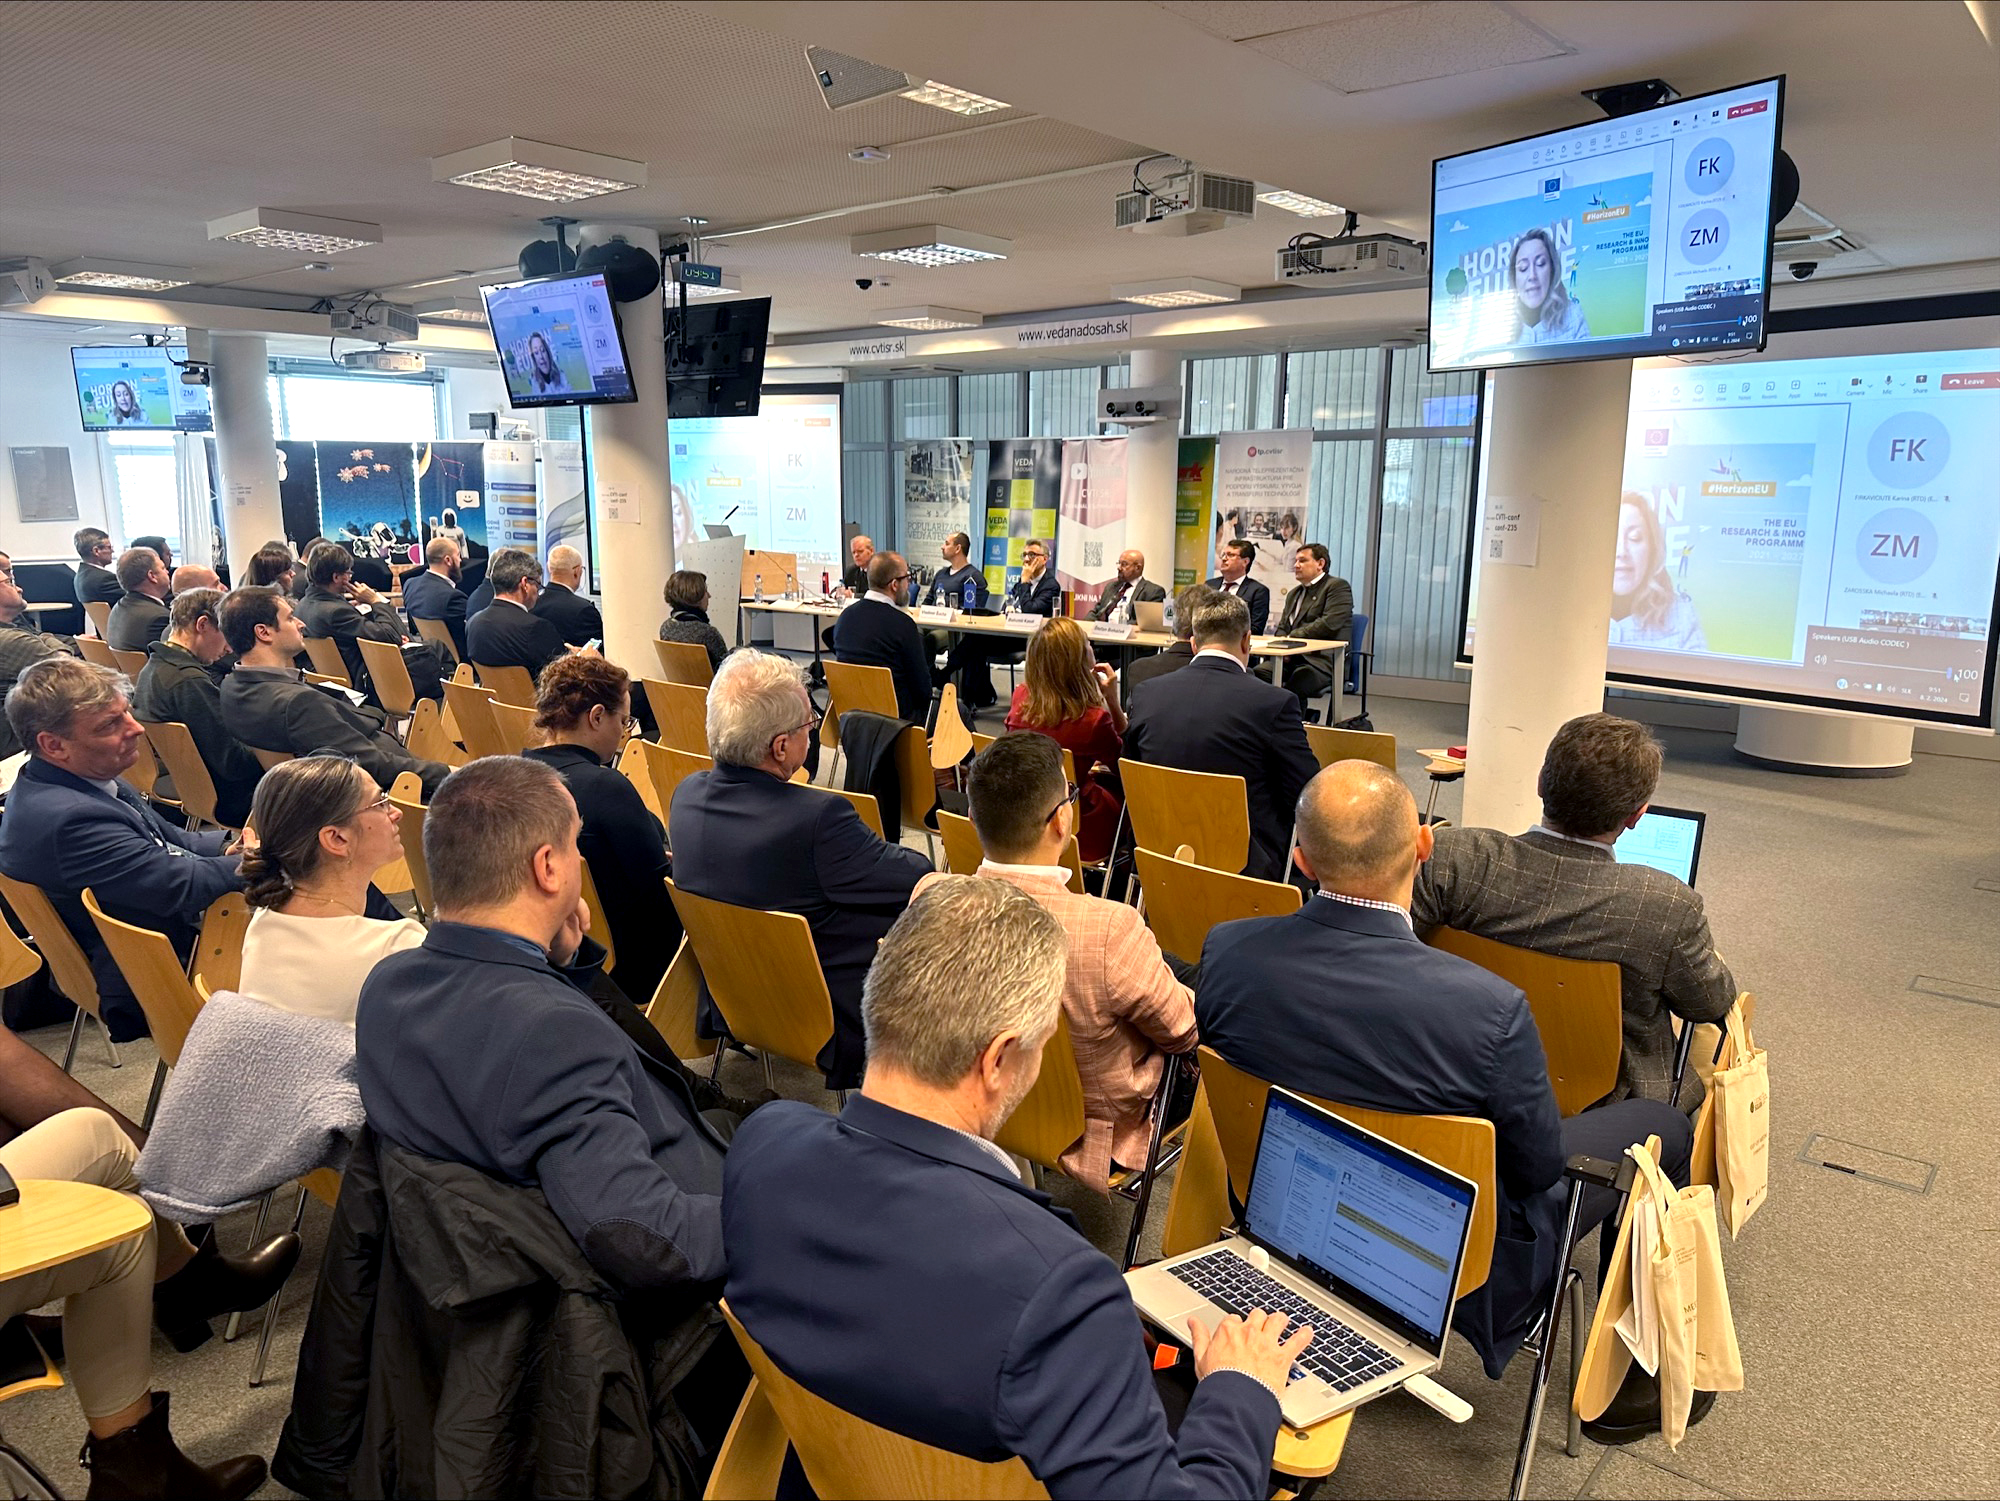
(1626, 237)
(558, 341)
(122, 389)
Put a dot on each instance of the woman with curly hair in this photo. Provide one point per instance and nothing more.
(1646, 608)
(1071, 697)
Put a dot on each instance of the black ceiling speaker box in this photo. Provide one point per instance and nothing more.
(546, 258)
(629, 272)
(1784, 185)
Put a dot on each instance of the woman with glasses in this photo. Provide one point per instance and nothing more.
(1073, 699)
(323, 828)
(583, 707)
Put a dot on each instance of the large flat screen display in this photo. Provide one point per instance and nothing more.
(559, 341)
(773, 479)
(1634, 236)
(126, 390)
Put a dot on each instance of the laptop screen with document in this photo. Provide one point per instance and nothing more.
(1380, 1226)
(1667, 839)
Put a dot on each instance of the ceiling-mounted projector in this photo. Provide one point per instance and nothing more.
(384, 322)
(1185, 201)
(24, 281)
(1367, 258)
(384, 362)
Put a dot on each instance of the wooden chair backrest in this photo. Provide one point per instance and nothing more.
(396, 876)
(1169, 807)
(675, 1001)
(633, 763)
(95, 651)
(951, 743)
(1185, 900)
(600, 925)
(390, 674)
(144, 773)
(99, 612)
(684, 662)
(665, 768)
(269, 758)
(864, 804)
(131, 663)
(680, 710)
(321, 678)
(411, 831)
(1199, 1206)
(438, 631)
(427, 738)
(963, 851)
(17, 960)
(846, 1458)
(472, 707)
(849, 685)
(1330, 745)
(1049, 1118)
(1606, 1356)
(979, 741)
(67, 962)
(217, 962)
(175, 746)
(516, 726)
(1578, 1007)
(153, 970)
(327, 660)
(915, 777)
(763, 974)
(1461, 1143)
(510, 685)
(752, 1456)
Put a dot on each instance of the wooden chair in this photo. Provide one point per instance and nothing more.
(681, 713)
(95, 651)
(763, 975)
(217, 961)
(1184, 900)
(1578, 1007)
(917, 783)
(472, 707)
(515, 726)
(1169, 807)
(391, 676)
(600, 925)
(684, 662)
(144, 774)
(269, 758)
(849, 685)
(665, 768)
(512, 685)
(864, 804)
(752, 1454)
(951, 743)
(963, 852)
(633, 761)
(327, 660)
(323, 680)
(175, 746)
(395, 876)
(99, 612)
(1600, 1369)
(427, 739)
(408, 801)
(131, 663)
(1330, 745)
(438, 631)
(67, 962)
(846, 1458)
(675, 1002)
(153, 970)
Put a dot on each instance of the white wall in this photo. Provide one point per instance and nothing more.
(38, 408)
(469, 391)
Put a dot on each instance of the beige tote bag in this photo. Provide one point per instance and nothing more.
(1665, 1254)
(1718, 1361)
(1742, 1096)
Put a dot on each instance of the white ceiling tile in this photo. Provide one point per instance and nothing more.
(1238, 20)
(1410, 43)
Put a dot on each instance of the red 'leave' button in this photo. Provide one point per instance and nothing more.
(1736, 111)
(1972, 380)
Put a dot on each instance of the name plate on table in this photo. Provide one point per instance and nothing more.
(1104, 630)
(1024, 618)
(936, 614)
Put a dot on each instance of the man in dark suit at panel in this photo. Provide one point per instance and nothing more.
(1036, 591)
(140, 616)
(1560, 890)
(560, 603)
(1216, 716)
(1130, 588)
(860, 553)
(1234, 580)
(845, 1233)
(743, 833)
(95, 582)
(434, 594)
(1319, 607)
(508, 633)
(1340, 1000)
(874, 632)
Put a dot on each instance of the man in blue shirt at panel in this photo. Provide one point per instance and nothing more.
(892, 1261)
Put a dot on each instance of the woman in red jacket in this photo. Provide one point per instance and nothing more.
(1071, 697)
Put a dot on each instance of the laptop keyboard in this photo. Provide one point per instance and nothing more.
(1342, 1357)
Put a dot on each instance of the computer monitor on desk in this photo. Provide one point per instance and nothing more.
(1667, 839)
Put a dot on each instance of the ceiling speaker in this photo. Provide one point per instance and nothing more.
(546, 258)
(629, 272)
(1784, 186)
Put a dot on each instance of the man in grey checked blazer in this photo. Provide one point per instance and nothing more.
(1559, 889)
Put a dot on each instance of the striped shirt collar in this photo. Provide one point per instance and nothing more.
(1362, 901)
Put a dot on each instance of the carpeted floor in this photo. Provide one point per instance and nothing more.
(1855, 910)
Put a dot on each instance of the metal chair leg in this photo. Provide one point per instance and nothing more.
(1551, 1325)
(1574, 1446)
(75, 1032)
(235, 1325)
(153, 1099)
(277, 1302)
(1151, 1171)
(110, 1047)
(769, 1082)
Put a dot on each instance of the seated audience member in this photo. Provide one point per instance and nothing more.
(560, 603)
(95, 582)
(1125, 1007)
(158, 547)
(434, 594)
(267, 703)
(1340, 1000)
(743, 833)
(178, 683)
(508, 633)
(1217, 716)
(337, 606)
(845, 1233)
(111, 1299)
(874, 632)
(584, 708)
(687, 615)
(1319, 608)
(1234, 560)
(1036, 591)
(1131, 587)
(1170, 658)
(33, 1087)
(71, 824)
(1072, 698)
(140, 616)
(194, 576)
(1560, 890)
(272, 566)
(319, 927)
(22, 644)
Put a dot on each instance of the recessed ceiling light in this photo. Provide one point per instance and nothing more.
(931, 245)
(535, 169)
(1179, 291)
(123, 276)
(451, 310)
(1302, 204)
(308, 234)
(730, 284)
(958, 101)
(931, 318)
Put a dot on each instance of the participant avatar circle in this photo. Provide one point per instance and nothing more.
(1708, 168)
(1705, 236)
(1908, 451)
(1896, 546)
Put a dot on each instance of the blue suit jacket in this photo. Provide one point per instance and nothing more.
(1256, 599)
(63, 834)
(741, 836)
(1042, 597)
(428, 596)
(1345, 1003)
(471, 1049)
(898, 1271)
(878, 635)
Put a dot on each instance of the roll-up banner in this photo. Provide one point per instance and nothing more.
(1262, 485)
(1091, 532)
(937, 495)
(1023, 494)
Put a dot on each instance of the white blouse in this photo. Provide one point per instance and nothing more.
(315, 965)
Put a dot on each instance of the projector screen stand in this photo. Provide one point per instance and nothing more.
(1823, 745)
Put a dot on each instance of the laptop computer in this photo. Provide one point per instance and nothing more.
(1150, 614)
(1345, 1231)
(1667, 839)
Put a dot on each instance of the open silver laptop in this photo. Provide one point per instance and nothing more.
(1345, 1231)
(1150, 614)
(1667, 839)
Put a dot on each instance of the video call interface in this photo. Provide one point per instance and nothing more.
(558, 341)
(127, 389)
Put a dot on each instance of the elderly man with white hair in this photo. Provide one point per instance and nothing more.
(743, 833)
(561, 603)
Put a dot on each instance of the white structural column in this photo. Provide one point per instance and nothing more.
(1152, 457)
(246, 449)
(1558, 439)
(628, 478)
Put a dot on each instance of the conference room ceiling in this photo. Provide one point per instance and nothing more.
(121, 141)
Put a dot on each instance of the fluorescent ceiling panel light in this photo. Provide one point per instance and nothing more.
(931, 245)
(451, 310)
(930, 319)
(731, 285)
(958, 101)
(535, 169)
(1302, 204)
(121, 276)
(1179, 291)
(304, 234)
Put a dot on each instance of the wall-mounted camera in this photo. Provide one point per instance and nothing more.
(1803, 270)
(863, 283)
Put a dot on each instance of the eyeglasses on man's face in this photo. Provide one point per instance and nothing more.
(1071, 792)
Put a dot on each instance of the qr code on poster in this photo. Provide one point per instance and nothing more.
(1093, 554)
(1495, 548)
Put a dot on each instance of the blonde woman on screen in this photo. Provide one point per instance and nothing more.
(1544, 311)
(1646, 609)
